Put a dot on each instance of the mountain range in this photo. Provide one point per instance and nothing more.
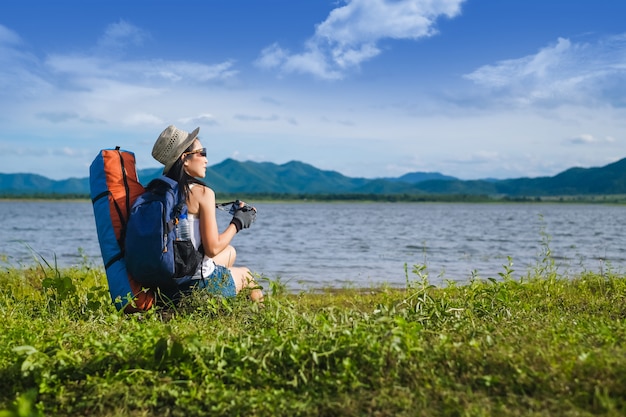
(298, 178)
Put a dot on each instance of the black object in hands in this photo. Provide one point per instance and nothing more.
(239, 205)
(243, 216)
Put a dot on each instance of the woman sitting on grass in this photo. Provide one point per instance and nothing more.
(185, 161)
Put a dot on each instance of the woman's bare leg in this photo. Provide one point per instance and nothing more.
(243, 279)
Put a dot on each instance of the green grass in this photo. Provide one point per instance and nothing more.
(543, 345)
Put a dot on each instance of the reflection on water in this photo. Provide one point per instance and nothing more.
(311, 245)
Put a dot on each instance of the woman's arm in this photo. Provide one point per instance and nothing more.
(213, 241)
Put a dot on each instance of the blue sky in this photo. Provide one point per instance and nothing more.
(368, 88)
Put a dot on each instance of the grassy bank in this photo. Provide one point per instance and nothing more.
(541, 346)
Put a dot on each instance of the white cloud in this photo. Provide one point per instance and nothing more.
(479, 157)
(253, 118)
(580, 73)
(9, 37)
(142, 119)
(65, 151)
(23, 74)
(368, 21)
(20, 71)
(186, 71)
(118, 36)
(350, 34)
(587, 139)
(313, 61)
(81, 68)
(205, 119)
(58, 117)
(97, 87)
(272, 56)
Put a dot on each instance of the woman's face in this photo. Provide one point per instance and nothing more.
(195, 161)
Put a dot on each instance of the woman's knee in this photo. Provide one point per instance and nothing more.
(226, 257)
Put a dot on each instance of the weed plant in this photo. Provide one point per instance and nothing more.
(541, 345)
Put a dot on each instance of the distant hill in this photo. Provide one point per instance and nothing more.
(415, 177)
(15, 184)
(610, 179)
(231, 176)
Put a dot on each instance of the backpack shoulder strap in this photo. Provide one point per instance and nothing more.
(164, 184)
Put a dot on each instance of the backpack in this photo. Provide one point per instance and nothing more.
(114, 186)
(156, 253)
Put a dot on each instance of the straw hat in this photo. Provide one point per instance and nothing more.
(171, 144)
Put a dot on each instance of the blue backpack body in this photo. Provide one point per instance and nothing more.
(155, 254)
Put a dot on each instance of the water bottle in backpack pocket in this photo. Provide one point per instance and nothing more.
(186, 256)
(155, 250)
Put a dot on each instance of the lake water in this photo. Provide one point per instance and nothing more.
(313, 245)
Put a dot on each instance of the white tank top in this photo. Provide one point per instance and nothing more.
(194, 229)
(208, 266)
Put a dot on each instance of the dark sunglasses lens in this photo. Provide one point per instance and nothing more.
(201, 151)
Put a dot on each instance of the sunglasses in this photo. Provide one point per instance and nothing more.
(201, 151)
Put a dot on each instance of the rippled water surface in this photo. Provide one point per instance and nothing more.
(311, 245)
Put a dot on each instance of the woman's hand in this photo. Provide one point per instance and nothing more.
(244, 216)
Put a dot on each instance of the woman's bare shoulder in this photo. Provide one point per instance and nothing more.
(202, 192)
(201, 195)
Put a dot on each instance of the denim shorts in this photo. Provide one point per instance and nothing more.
(220, 282)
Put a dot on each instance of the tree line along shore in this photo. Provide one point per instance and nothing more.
(279, 197)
